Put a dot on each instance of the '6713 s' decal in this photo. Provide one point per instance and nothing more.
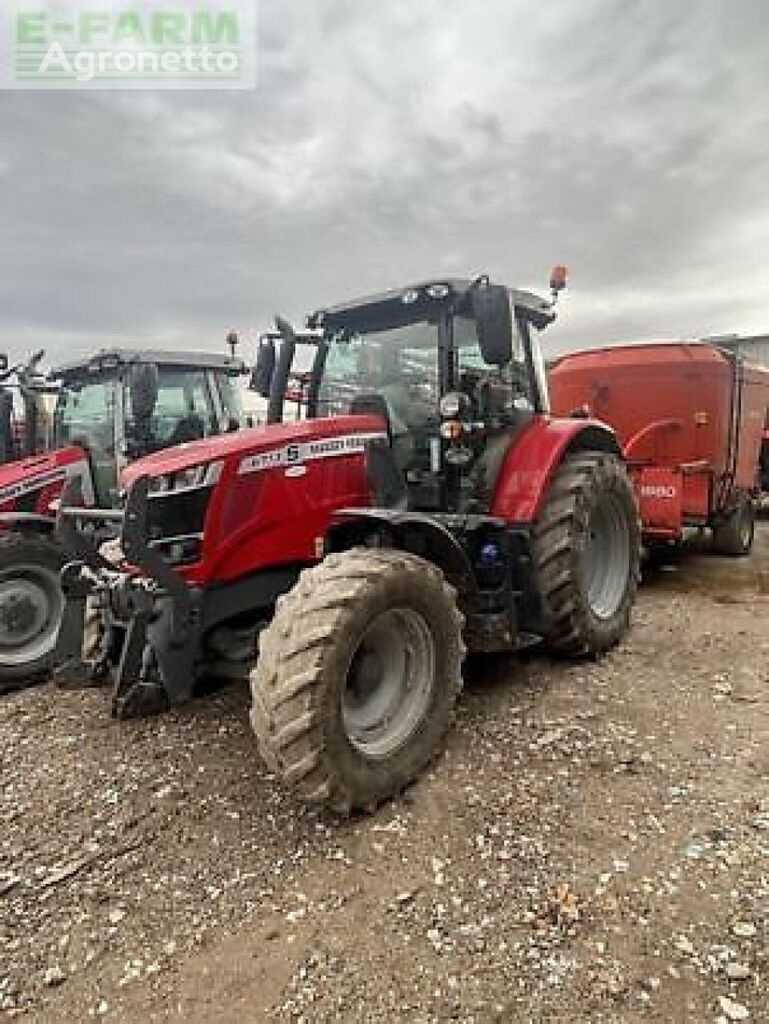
(308, 451)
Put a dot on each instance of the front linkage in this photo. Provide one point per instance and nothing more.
(150, 620)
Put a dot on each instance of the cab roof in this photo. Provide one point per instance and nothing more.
(401, 306)
(110, 358)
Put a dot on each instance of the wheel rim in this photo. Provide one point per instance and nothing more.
(389, 683)
(31, 605)
(607, 557)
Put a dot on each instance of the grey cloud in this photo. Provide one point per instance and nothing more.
(391, 141)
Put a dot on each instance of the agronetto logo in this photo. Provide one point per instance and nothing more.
(145, 44)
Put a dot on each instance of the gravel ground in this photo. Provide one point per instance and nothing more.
(594, 846)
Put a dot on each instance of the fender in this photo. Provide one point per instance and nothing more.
(535, 455)
(418, 534)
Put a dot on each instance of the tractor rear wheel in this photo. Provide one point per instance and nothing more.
(735, 533)
(31, 605)
(587, 554)
(357, 677)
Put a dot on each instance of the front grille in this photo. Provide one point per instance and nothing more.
(176, 520)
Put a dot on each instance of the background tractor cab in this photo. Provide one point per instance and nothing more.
(121, 405)
(109, 410)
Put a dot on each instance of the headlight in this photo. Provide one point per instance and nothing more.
(188, 479)
(161, 484)
(195, 476)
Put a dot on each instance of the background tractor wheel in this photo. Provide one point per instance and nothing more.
(31, 605)
(734, 535)
(587, 551)
(357, 677)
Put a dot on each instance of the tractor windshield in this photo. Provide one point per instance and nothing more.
(85, 414)
(229, 396)
(184, 410)
(401, 366)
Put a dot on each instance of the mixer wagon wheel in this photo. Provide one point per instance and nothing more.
(587, 554)
(734, 534)
(357, 677)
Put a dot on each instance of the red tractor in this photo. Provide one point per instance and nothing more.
(426, 504)
(105, 411)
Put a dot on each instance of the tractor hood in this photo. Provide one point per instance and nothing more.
(37, 472)
(242, 443)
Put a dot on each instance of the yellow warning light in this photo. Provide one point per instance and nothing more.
(559, 276)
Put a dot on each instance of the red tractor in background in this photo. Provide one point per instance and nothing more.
(105, 411)
(690, 419)
(427, 503)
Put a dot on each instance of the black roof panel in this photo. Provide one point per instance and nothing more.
(388, 309)
(161, 357)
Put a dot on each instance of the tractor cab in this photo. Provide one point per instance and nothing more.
(120, 405)
(453, 368)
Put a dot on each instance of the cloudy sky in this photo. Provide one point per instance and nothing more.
(398, 140)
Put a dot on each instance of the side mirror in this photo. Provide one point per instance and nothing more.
(261, 378)
(143, 388)
(494, 321)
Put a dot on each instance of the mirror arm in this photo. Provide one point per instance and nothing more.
(524, 329)
(282, 370)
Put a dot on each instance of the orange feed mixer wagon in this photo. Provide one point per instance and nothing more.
(690, 418)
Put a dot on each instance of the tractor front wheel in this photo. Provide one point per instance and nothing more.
(357, 677)
(587, 554)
